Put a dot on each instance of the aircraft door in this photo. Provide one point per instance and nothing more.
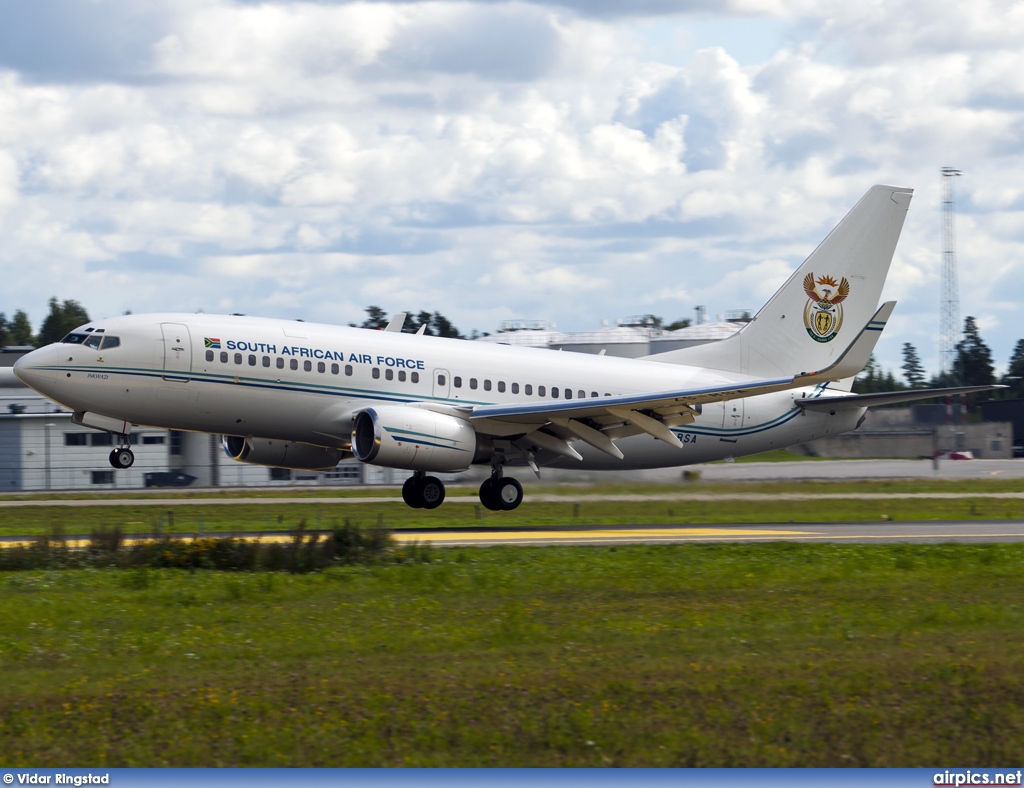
(442, 383)
(177, 351)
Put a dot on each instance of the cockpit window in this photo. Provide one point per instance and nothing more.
(109, 342)
(74, 339)
(93, 341)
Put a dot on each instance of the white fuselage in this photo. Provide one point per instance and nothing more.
(304, 382)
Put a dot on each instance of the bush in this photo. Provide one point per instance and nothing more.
(305, 552)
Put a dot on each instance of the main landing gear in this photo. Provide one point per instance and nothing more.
(497, 493)
(500, 493)
(122, 457)
(423, 492)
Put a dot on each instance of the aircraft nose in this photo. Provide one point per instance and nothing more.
(38, 369)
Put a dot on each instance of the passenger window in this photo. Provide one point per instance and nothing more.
(376, 373)
(592, 394)
(348, 370)
(223, 357)
(209, 355)
(515, 388)
(415, 377)
(293, 363)
(252, 360)
(110, 342)
(528, 389)
(321, 367)
(457, 382)
(440, 380)
(335, 369)
(540, 391)
(472, 383)
(280, 363)
(568, 393)
(487, 385)
(581, 394)
(238, 358)
(401, 375)
(266, 361)
(501, 385)
(389, 374)
(554, 392)
(307, 365)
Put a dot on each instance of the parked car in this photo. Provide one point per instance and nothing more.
(168, 479)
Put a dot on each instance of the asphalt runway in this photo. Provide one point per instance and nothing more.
(864, 533)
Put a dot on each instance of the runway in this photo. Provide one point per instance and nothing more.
(837, 533)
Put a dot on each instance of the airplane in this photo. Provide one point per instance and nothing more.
(305, 396)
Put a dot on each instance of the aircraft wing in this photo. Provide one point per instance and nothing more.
(552, 424)
(853, 401)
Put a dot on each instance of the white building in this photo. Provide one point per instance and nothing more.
(42, 449)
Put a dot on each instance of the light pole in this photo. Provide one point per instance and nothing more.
(46, 452)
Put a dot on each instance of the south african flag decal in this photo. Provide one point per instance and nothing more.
(211, 342)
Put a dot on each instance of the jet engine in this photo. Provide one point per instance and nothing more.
(282, 454)
(397, 436)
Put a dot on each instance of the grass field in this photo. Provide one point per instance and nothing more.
(574, 505)
(686, 655)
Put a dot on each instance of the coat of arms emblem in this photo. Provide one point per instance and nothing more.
(823, 315)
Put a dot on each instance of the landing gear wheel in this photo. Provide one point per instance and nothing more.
(412, 493)
(508, 492)
(122, 458)
(488, 496)
(431, 492)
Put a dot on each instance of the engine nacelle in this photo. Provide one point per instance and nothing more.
(282, 454)
(398, 436)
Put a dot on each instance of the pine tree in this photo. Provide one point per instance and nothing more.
(5, 337)
(1014, 377)
(912, 369)
(973, 358)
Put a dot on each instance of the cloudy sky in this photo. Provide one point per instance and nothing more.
(566, 161)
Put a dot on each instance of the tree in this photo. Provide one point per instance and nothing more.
(443, 327)
(873, 378)
(912, 369)
(684, 322)
(375, 318)
(63, 319)
(973, 358)
(20, 329)
(1014, 377)
(5, 337)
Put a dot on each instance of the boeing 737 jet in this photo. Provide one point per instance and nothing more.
(300, 395)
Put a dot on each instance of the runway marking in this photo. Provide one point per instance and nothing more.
(616, 534)
(579, 537)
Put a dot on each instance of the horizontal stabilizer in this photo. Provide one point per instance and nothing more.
(854, 401)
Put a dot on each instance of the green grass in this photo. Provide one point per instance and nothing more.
(688, 655)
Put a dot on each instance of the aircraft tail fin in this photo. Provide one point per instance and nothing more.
(811, 322)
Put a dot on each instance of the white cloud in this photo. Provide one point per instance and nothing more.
(494, 160)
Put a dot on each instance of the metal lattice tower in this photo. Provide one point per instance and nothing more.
(949, 294)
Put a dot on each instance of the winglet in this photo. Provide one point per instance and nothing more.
(856, 356)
